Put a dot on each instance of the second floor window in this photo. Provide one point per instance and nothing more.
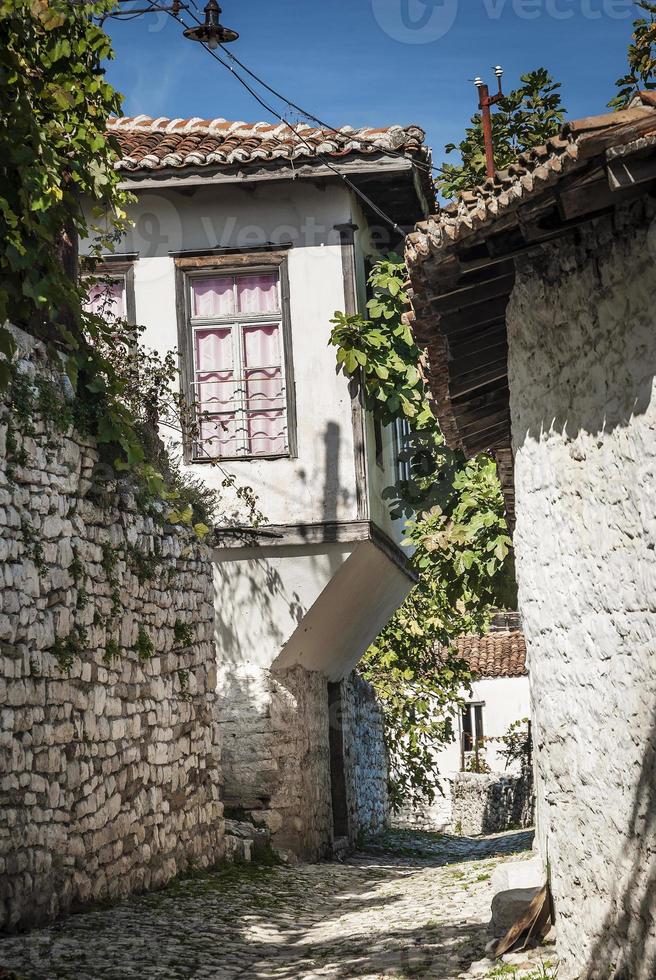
(238, 364)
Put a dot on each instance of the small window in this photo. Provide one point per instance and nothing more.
(402, 434)
(108, 297)
(239, 389)
(473, 733)
(111, 291)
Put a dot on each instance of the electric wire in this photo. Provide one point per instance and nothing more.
(419, 164)
(356, 190)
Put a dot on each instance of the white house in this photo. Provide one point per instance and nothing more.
(246, 240)
(499, 697)
(535, 296)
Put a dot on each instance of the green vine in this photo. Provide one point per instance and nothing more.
(183, 634)
(456, 525)
(68, 649)
(144, 564)
(34, 546)
(183, 678)
(145, 647)
(112, 651)
(108, 563)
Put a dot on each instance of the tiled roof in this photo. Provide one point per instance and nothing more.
(534, 172)
(497, 654)
(461, 263)
(148, 144)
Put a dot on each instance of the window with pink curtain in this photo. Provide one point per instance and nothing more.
(264, 389)
(215, 391)
(239, 379)
(107, 299)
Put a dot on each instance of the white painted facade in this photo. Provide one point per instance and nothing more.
(314, 590)
(583, 418)
(504, 700)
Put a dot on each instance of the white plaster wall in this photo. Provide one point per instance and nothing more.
(506, 700)
(319, 485)
(582, 336)
(260, 601)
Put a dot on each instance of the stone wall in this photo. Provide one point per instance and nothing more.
(582, 360)
(487, 803)
(365, 758)
(276, 757)
(109, 751)
(276, 729)
(434, 817)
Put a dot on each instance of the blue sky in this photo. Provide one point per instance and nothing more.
(376, 62)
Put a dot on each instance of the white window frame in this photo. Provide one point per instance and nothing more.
(237, 323)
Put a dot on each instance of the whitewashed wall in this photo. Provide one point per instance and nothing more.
(314, 606)
(582, 335)
(320, 484)
(506, 700)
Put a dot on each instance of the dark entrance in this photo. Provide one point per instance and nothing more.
(337, 776)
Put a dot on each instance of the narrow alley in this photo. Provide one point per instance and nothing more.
(410, 904)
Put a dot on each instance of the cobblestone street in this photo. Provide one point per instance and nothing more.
(411, 905)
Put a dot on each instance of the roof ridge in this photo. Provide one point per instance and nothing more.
(534, 170)
(153, 124)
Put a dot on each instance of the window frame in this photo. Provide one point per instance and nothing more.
(189, 268)
(118, 268)
(402, 433)
(474, 711)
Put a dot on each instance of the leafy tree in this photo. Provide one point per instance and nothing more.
(462, 550)
(642, 58)
(526, 117)
(55, 153)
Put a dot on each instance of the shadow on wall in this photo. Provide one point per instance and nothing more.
(626, 949)
(595, 375)
(584, 418)
(258, 592)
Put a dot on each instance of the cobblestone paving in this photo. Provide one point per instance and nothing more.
(410, 905)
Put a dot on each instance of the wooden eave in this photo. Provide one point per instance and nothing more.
(401, 187)
(460, 295)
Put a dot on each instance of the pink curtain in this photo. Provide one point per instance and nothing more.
(216, 392)
(214, 296)
(258, 294)
(264, 390)
(107, 299)
(248, 415)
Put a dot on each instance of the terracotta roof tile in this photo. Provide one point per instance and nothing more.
(533, 172)
(498, 654)
(148, 144)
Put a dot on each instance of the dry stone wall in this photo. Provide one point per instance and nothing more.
(435, 817)
(275, 727)
(582, 362)
(487, 803)
(365, 758)
(109, 746)
(276, 762)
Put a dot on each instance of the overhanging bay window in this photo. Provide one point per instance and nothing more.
(237, 369)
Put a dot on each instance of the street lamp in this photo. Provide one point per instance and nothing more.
(211, 33)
